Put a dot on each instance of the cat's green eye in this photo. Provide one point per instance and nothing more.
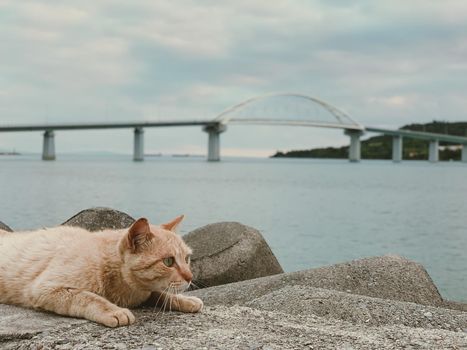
(168, 261)
(187, 259)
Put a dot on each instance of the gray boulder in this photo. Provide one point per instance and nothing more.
(99, 218)
(228, 252)
(5, 227)
(305, 300)
(386, 277)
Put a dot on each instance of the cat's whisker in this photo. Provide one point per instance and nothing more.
(174, 294)
(162, 309)
(158, 299)
(188, 287)
(164, 306)
(196, 286)
(158, 311)
(164, 300)
(167, 298)
(177, 297)
(170, 305)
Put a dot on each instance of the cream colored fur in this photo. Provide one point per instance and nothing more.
(96, 275)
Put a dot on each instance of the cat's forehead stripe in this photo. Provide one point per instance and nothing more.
(173, 245)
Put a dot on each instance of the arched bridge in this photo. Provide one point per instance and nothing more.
(288, 109)
(285, 109)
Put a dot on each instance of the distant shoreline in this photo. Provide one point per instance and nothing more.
(380, 147)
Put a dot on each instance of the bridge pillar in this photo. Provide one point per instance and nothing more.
(464, 153)
(354, 149)
(397, 148)
(214, 148)
(138, 150)
(48, 147)
(433, 151)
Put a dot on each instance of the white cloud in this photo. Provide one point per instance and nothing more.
(391, 101)
(50, 15)
(392, 60)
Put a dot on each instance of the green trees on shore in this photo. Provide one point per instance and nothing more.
(380, 147)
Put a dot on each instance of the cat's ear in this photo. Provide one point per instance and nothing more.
(172, 225)
(138, 234)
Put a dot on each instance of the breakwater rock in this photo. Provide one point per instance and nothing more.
(228, 252)
(100, 218)
(385, 302)
(5, 227)
(298, 293)
(387, 277)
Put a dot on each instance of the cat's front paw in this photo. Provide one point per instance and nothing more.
(191, 304)
(118, 317)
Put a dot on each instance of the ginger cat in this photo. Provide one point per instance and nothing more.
(97, 275)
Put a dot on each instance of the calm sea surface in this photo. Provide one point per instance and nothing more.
(312, 212)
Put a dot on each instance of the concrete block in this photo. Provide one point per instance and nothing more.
(386, 277)
(306, 301)
(228, 252)
(5, 227)
(99, 218)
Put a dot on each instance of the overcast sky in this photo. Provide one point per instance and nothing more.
(386, 63)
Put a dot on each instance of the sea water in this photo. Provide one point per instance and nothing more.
(311, 212)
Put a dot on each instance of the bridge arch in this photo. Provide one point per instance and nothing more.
(299, 109)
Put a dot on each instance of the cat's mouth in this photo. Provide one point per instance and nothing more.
(177, 287)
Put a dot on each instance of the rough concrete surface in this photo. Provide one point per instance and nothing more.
(238, 327)
(19, 323)
(305, 300)
(228, 252)
(99, 218)
(5, 227)
(386, 277)
(455, 305)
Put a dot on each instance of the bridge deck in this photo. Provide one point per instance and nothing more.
(103, 125)
(419, 135)
(173, 123)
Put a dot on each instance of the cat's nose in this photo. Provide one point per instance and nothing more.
(187, 275)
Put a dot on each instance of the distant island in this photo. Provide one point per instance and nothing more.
(380, 147)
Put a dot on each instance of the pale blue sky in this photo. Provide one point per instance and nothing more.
(386, 63)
